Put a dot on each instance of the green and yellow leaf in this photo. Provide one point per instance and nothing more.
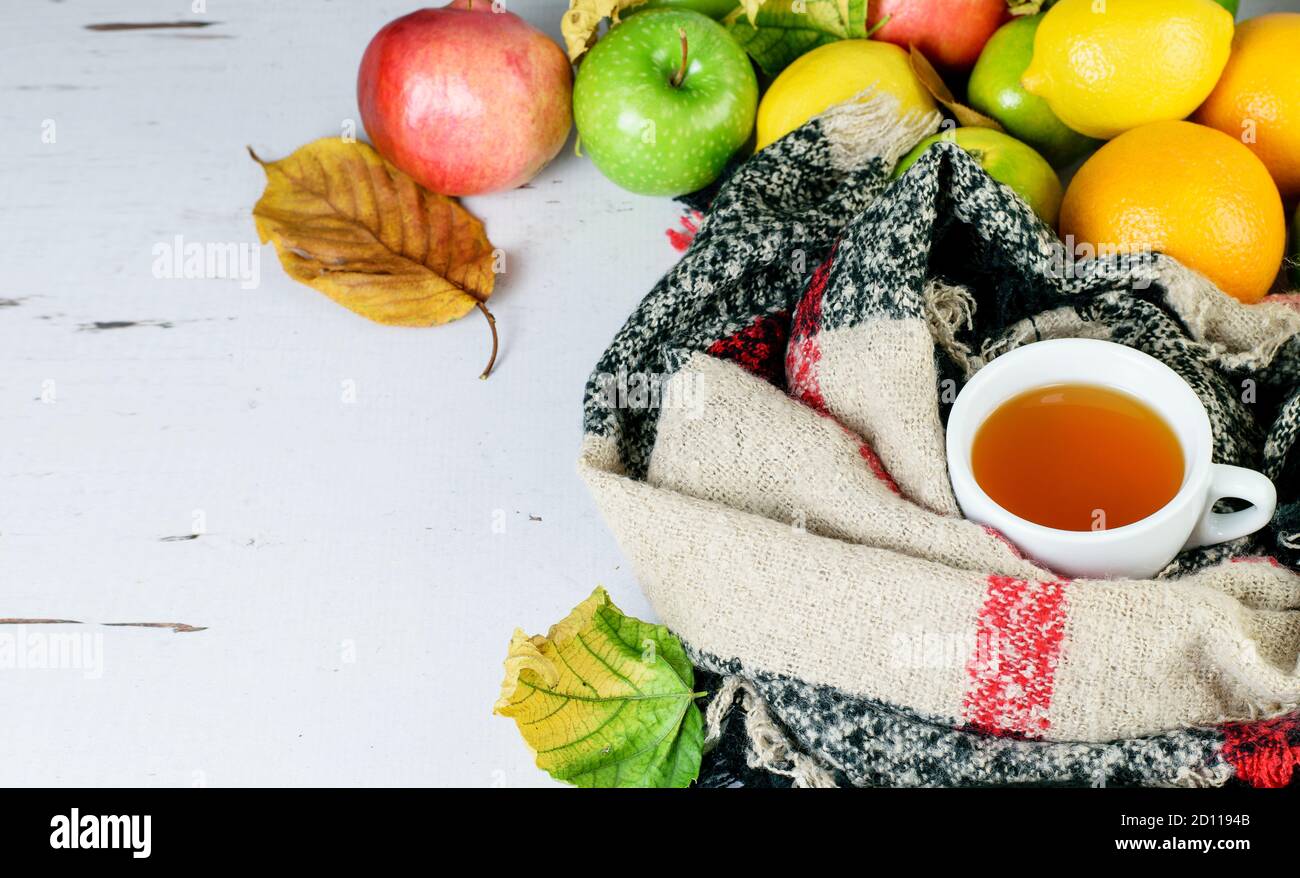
(349, 224)
(605, 700)
(775, 32)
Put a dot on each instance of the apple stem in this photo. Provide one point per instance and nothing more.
(492, 324)
(680, 76)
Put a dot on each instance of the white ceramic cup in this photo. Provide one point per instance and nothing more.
(1136, 550)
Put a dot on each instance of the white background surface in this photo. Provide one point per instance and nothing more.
(356, 599)
(331, 528)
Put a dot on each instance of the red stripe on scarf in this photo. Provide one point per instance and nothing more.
(1256, 559)
(1264, 753)
(1017, 648)
(803, 359)
(805, 350)
(877, 467)
(759, 348)
(1002, 538)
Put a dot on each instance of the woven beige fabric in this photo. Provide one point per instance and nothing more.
(762, 533)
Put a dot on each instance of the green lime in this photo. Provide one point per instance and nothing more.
(1006, 160)
(995, 91)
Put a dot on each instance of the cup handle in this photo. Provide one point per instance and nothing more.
(1241, 483)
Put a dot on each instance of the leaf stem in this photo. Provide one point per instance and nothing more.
(492, 325)
(680, 76)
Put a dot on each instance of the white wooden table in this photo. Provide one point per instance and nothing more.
(361, 564)
(354, 519)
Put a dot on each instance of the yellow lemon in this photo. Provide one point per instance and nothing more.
(1105, 66)
(833, 73)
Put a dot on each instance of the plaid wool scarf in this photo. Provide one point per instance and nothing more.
(765, 438)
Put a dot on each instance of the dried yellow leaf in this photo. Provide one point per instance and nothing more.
(938, 89)
(347, 223)
(583, 19)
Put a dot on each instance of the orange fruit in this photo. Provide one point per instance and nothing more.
(1257, 99)
(1189, 191)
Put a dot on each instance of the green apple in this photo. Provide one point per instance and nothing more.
(663, 101)
(714, 9)
(995, 90)
(1006, 160)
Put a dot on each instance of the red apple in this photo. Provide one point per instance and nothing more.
(950, 33)
(465, 99)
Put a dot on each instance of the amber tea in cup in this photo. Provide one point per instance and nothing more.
(1077, 457)
(1064, 445)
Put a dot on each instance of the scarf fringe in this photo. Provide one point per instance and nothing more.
(949, 310)
(1237, 336)
(770, 748)
(870, 126)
